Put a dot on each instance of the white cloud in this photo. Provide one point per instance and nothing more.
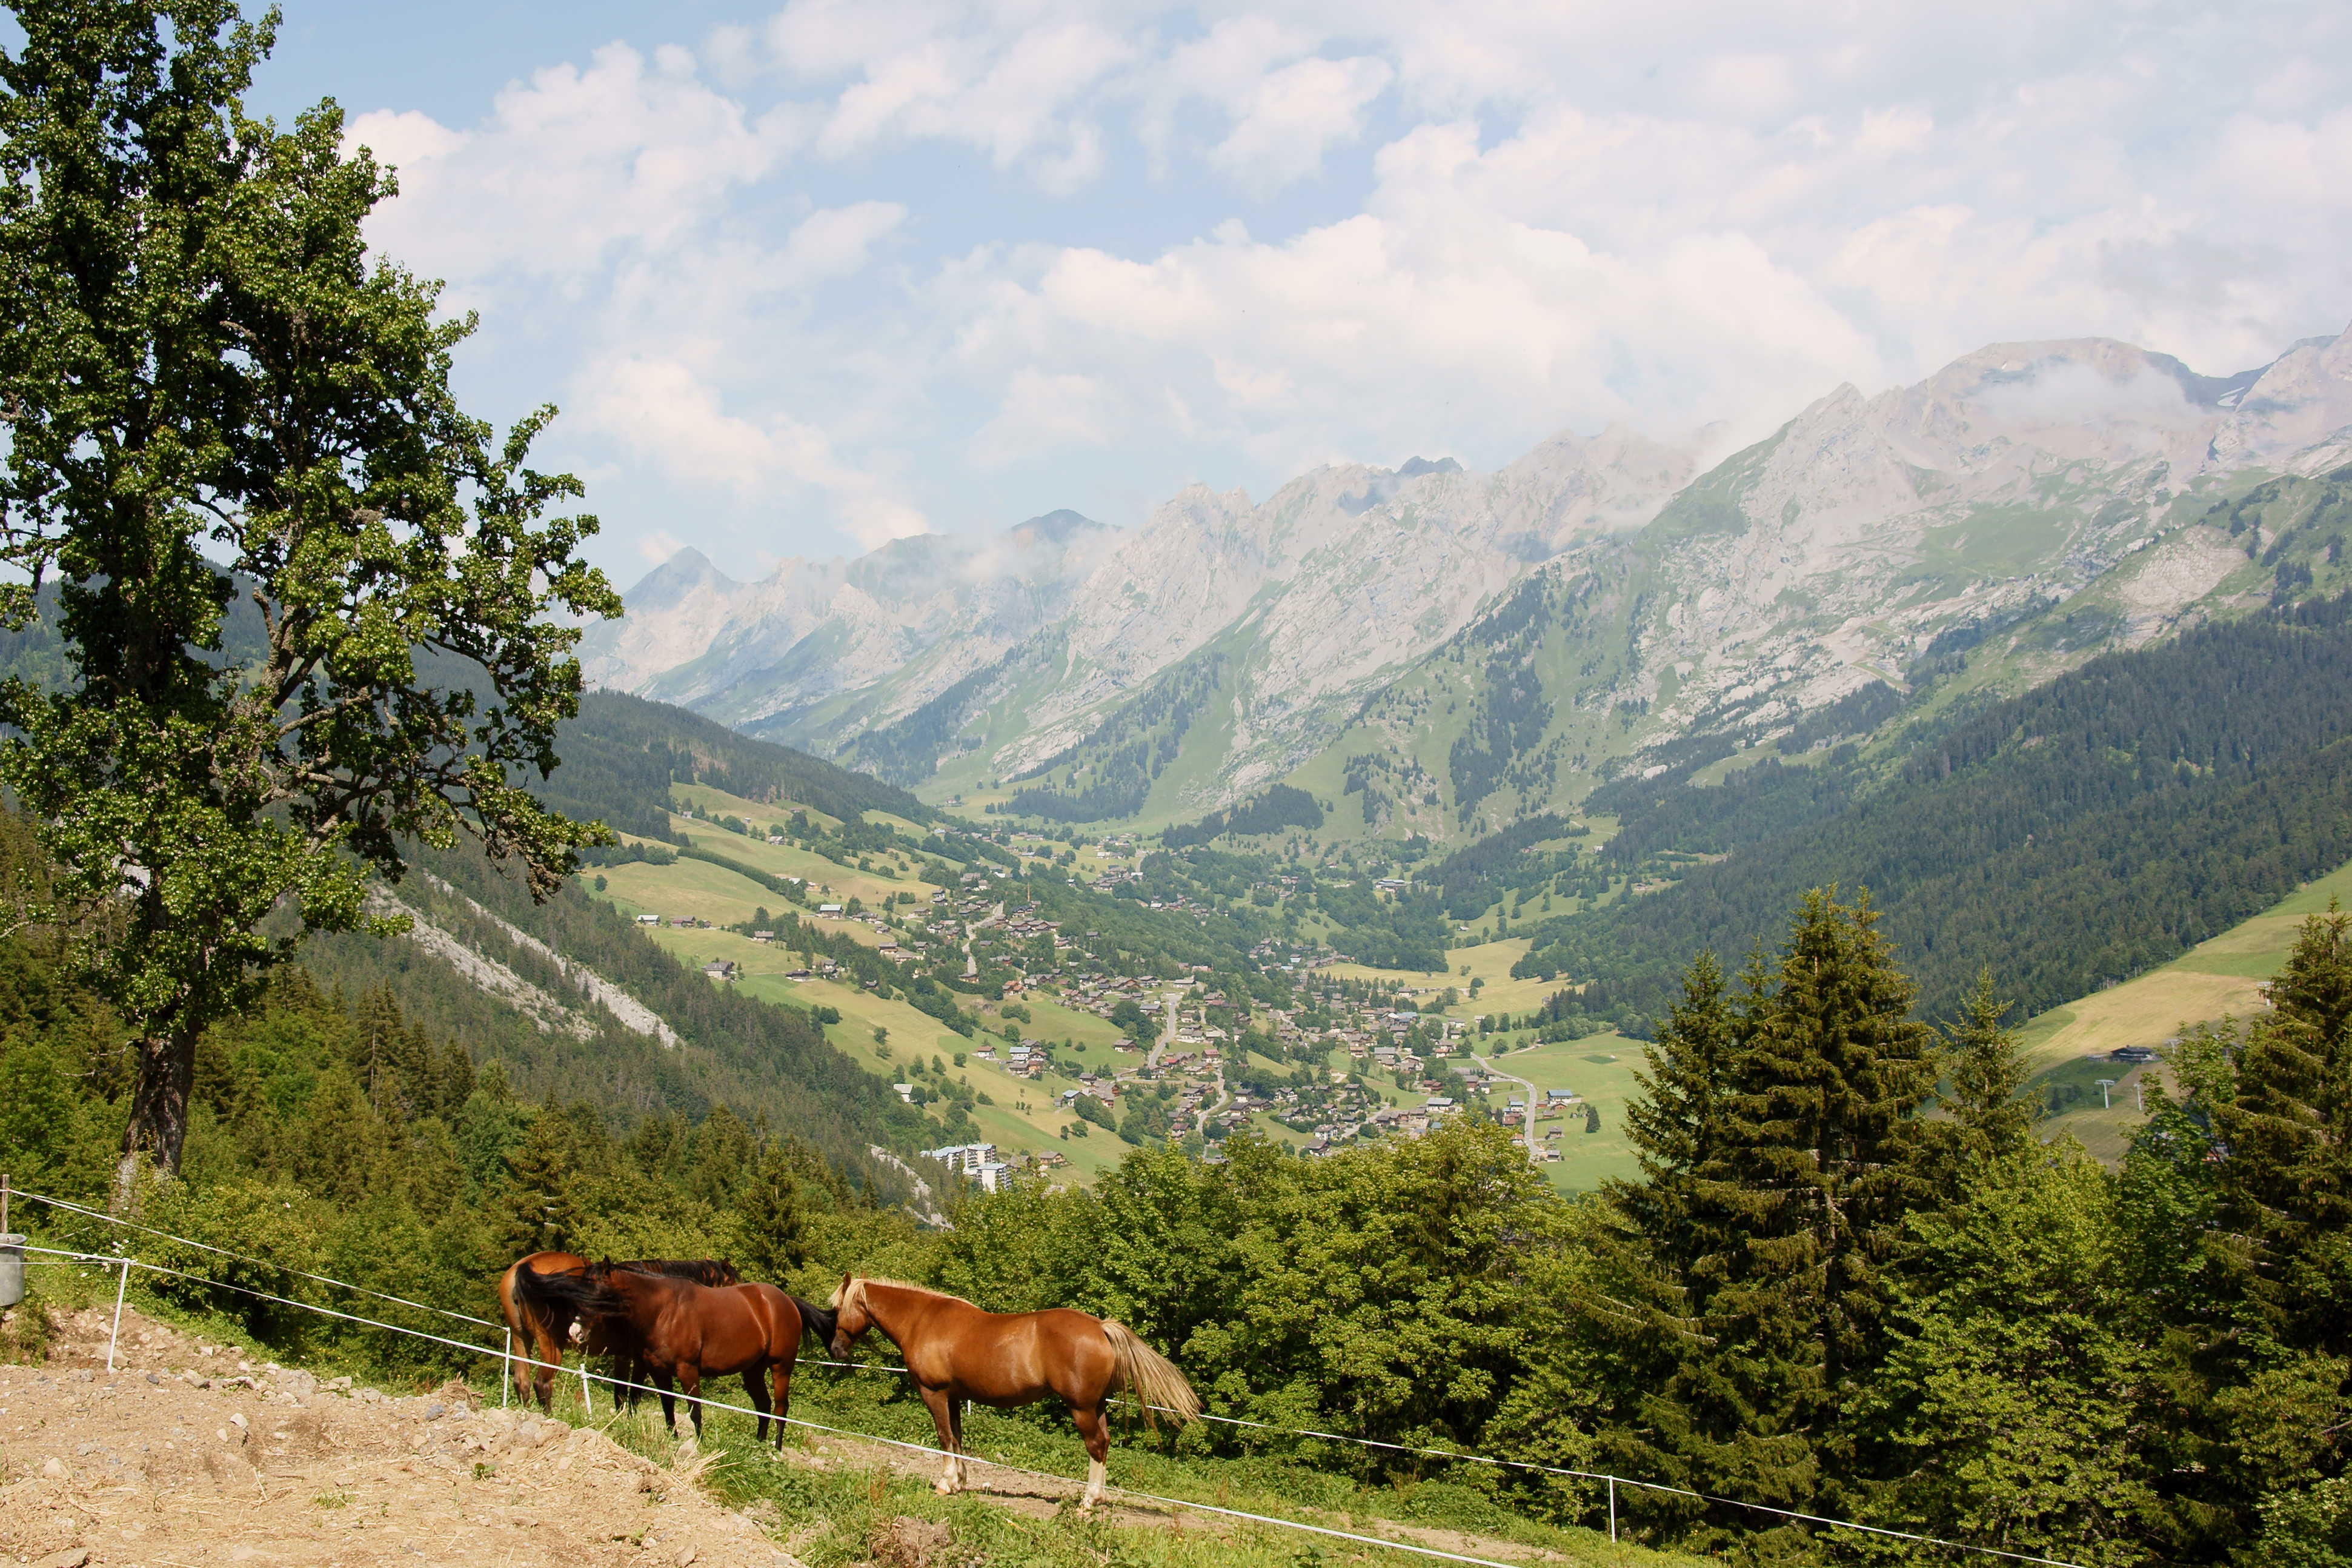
(667, 416)
(1022, 92)
(1294, 116)
(568, 167)
(781, 268)
(836, 242)
(1042, 414)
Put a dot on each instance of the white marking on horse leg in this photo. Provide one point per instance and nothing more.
(947, 1480)
(1096, 1472)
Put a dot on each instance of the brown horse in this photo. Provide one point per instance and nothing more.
(539, 1334)
(956, 1352)
(677, 1329)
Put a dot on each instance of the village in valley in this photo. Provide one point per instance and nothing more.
(962, 985)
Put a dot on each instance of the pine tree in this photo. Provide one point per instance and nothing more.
(2286, 1182)
(1990, 1121)
(720, 1153)
(539, 1175)
(375, 1025)
(773, 1216)
(1676, 1124)
(1794, 1214)
(455, 1079)
(341, 1147)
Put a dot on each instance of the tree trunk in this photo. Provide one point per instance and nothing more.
(159, 1112)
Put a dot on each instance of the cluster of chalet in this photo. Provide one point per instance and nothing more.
(979, 1161)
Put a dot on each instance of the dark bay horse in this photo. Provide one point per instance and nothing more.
(540, 1330)
(956, 1352)
(677, 1329)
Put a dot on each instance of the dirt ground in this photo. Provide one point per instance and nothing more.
(184, 1457)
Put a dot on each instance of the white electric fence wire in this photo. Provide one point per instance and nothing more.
(258, 1262)
(506, 1360)
(1521, 1465)
(796, 1421)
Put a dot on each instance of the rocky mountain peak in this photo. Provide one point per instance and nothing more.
(684, 574)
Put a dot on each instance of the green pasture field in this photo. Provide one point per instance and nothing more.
(1050, 1020)
(697, 888)
(1042, 1125)
(2218, 978)
(1487, 961)
(1587, 1159)
(709, 892)
(694, 887)
(897, 873)
(703, 797)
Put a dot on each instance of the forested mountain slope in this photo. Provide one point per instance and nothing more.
(767, 1063)
(2068, 838)
(620, 756)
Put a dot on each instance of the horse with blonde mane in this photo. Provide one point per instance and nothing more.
(956, 1352)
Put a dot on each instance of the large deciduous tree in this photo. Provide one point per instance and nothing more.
(305, 599)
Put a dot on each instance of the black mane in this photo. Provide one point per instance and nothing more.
(712, 1271)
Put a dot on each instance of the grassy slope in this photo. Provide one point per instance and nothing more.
(708, 798)
(765, 966)
(2218, 978)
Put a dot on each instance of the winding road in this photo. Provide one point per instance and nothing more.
(1528, 1121)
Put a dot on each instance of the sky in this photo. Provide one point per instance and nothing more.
(804, 280)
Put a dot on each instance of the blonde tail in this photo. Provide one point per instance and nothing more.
(1152, 1376)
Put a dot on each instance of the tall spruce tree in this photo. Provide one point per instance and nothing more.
(1676, 1123)
(2241, 1220)
(1989, 1120)
(772, 1215)
(541, 1215)
(1795, 1213)
(2286, 1180)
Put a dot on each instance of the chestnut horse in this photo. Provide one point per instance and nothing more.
(677, 1329)
(956, 1352)
(544, 1330)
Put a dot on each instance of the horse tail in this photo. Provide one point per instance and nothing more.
(1154, 1377)
(817, 1321)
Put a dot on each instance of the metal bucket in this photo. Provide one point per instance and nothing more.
(12, 1270)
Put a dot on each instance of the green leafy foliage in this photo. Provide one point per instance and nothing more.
(206, 366)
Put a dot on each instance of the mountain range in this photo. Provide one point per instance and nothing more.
(1429, 649)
